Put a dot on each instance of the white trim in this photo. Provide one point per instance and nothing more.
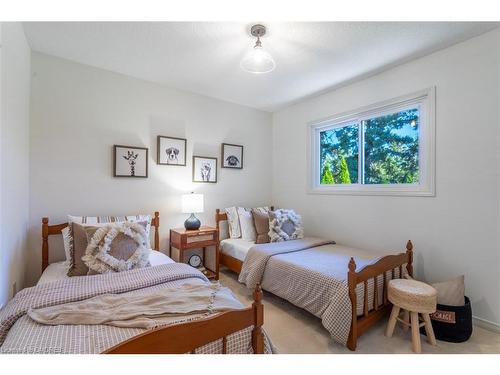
(426, 100)
(486, 324)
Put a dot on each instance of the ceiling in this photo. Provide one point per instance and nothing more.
(204, 57)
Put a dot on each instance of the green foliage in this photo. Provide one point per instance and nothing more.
(326, 174)
(390, 150)
(337, 144)
(391, 154)
(344, 176)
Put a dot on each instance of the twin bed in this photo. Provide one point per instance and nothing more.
(345, 287)
(209, 319)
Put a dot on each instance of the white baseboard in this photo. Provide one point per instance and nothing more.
(486, 324)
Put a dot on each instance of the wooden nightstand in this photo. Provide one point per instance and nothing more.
(206, 238)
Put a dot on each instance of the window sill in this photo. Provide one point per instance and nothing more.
(388, 190)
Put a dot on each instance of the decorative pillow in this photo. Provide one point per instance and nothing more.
(77, 248)
(451, 292)
(246, 224)
(76, 266)
(285, 225)
(233, 221)
(261, 222)
(116, 247)
(67, 244)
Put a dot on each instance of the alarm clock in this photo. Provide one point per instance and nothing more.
(195, 261)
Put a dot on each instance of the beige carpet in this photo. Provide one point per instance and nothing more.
(294, 330)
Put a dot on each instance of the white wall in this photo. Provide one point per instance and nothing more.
(14, 151)
(79, 112)
(456, 232)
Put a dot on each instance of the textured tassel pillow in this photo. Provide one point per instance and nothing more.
(116, 247)
(285, 225)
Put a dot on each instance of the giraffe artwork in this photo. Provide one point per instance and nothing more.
(130, 161)
(131, 156)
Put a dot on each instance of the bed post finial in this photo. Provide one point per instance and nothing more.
(352, 283)
(45, 243)
(409, 253)
(352, 265)
(257, 294)
(258, 311)
(157, 233)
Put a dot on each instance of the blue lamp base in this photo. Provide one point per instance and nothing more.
(192, 223)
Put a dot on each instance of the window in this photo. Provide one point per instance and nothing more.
(387, 148)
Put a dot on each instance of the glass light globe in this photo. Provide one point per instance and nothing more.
(258, 61)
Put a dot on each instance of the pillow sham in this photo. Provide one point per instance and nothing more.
(233, 222)
(246, 224)
(116, 247)
(285, 225)
(67, 244)
(261, 222)
(240, 222)
(76, 266)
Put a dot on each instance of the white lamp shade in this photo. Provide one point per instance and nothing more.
(192, 203)
(258, 61)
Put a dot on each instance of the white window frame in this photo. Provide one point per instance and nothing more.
(424, 100)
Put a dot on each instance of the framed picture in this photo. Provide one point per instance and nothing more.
(171, 151)
(232, 156)
(204, 169)
(130, 161)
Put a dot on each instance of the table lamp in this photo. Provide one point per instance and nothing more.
(191, 204)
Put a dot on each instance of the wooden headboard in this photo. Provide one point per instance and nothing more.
(48, 230)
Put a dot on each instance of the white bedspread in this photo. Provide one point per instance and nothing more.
(236, 247)
(59, 270)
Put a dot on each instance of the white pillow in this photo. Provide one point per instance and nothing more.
(67, 244)
(233, 222)
(247, 225)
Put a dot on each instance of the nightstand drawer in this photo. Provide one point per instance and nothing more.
(200, 238)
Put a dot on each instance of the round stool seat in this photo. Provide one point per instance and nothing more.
(412, 295)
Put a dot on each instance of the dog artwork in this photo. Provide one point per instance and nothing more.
(172, 155)
(171, 151)
(232, 161)
(232, 156)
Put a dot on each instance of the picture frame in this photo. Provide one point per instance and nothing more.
(231, 156)
(171, 151)
(204, 169)
(130, 161)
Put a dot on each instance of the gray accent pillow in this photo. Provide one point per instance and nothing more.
(116, 247)
(285, 225)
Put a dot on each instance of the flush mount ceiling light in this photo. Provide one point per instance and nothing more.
(257, 60)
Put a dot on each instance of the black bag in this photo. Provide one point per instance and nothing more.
(452, 323)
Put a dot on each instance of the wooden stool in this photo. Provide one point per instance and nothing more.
(414, 297)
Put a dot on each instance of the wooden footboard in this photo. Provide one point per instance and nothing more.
(187, 337)
(375, 271)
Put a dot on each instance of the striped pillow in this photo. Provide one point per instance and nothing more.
(98, 221)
